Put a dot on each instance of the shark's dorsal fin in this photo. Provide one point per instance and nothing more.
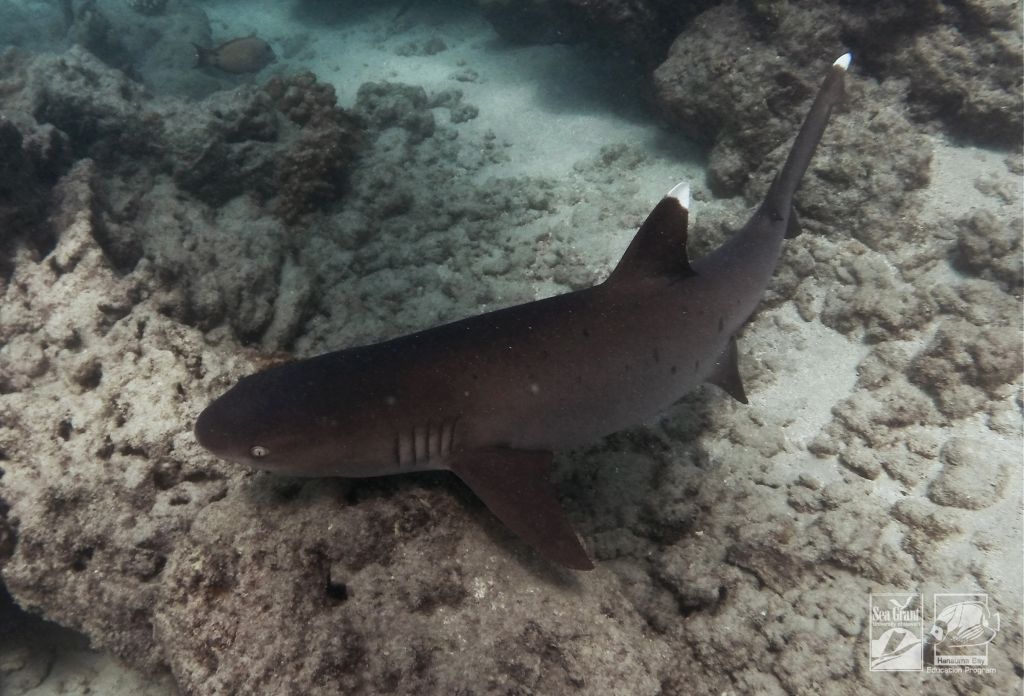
(659, 246)
(514, 485)
(727, 373)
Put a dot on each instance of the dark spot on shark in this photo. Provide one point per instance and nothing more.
(721, 324)
(656, 356)
(674, 369)
(586, 332)
(696, 365)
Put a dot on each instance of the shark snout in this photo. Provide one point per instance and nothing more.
(212, 432)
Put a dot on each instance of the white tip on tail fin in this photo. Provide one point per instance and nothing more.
(843, 61)
(681, 192)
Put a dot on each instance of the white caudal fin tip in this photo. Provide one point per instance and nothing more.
(681, 192)
(843, 61)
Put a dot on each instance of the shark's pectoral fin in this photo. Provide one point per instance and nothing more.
(727, 373)
(514, 485)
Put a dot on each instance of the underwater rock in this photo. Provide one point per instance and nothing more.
(974, 474)
(714, 93)
(148, 7)
(59, 443)
(961, 64)
(122, 527)
(24, 665)
(97, 109)
(428, 47)
(962, 61)
(326, 556)
(31, 159)
(721, 539)
(313, 172)
(965, 364)
(287, 147)
(148, 39)
(991, 248)
(873, 297)
(387, 105)
(37, 26)
(640, 30)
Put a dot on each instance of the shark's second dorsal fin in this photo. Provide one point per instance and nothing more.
(659, 246)
(515, 487)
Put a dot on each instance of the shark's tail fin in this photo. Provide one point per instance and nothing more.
(780, 196)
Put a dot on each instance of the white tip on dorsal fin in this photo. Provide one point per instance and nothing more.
(681, 192)
(843, 61)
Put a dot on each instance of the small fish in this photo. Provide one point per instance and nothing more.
(248, 54)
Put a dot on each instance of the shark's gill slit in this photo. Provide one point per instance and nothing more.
(420, 439)
(433, 440)
(447, 437)
(404, 448)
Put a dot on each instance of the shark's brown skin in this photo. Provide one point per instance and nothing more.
(490, 397)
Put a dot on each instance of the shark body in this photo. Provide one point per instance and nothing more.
(492, 396)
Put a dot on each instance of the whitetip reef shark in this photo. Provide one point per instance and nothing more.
(492, 396)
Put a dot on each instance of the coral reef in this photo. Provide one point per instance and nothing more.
(991, 248)
(962, 59)
(638, 29)
(716, 93)
(126, 531)
(148, 7)
(150, 246)
(313, 172)
(150, 40)
(235, 152)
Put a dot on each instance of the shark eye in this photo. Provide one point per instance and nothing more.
(259, 451)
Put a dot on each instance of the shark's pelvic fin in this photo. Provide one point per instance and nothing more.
(727, 373)
(659, 246)
(514, 485)
(793, 224)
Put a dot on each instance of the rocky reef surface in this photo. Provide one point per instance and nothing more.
(154, 250)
